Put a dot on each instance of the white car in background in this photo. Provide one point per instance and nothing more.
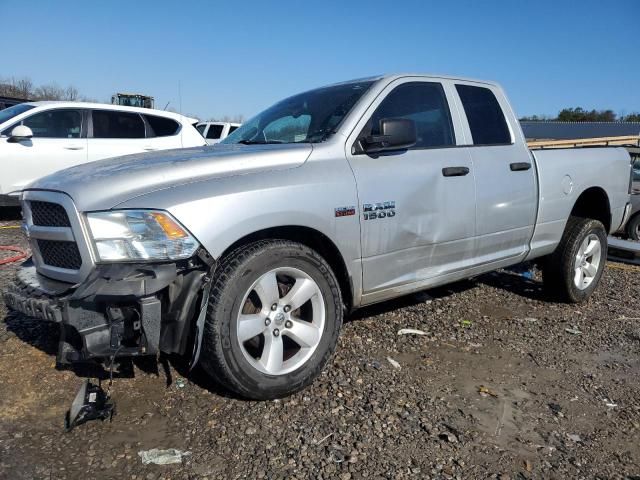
(214, 132)
(39, 138)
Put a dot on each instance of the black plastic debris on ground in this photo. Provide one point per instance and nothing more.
(90, 403)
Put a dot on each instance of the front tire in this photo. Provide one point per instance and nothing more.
(572, 272)
(275, 311)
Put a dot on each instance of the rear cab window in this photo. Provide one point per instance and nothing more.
(115, 124)
(486, 119)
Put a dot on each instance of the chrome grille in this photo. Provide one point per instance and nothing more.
(56, 236)
(60, 254)
(47, 214)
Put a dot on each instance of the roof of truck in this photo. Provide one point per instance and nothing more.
(394, 76)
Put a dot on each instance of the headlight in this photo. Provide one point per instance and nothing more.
(126, 235)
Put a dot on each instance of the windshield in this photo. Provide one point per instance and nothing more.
(305, 118)
(9, 113)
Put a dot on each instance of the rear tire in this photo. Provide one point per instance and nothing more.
(259, 341)
(633, 227)
(572, 272)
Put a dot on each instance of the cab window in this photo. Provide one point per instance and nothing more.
(423, 102)
(486, 119)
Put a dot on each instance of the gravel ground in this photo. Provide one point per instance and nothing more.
(504, 384)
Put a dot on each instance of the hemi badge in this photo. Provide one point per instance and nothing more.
(345, 211)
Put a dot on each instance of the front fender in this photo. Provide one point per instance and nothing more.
(221, 211)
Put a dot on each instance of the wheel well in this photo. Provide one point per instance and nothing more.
(593, 203)
(313, 239)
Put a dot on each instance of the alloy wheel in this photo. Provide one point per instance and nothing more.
(281, 321)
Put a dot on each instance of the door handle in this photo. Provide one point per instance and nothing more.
(150, 149)
(519, 166)
(74, 147)
(455, 171)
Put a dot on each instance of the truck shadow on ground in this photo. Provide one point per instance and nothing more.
(500, 280)
(516, 284)
(10, 213)
(44, 335)
(410, 300)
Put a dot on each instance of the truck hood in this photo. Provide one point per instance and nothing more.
(104, 184)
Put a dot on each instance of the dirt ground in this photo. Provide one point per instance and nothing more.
(504, 384)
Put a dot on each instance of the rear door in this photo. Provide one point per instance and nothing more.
(113, 133)
(417, 205)
(58, 142)
(506, 186)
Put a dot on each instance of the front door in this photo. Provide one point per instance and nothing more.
(417, 206)
(57, 143)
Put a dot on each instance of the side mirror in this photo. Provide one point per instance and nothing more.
(395, 134)
(20, 134)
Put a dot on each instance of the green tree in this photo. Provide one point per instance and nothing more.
(632, 117)
(578, 114)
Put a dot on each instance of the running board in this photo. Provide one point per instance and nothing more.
(624, 250)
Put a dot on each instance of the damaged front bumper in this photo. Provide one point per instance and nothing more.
(120, 309)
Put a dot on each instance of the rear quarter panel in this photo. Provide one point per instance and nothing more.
(563, 175)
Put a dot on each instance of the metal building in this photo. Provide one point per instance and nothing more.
(550, 130)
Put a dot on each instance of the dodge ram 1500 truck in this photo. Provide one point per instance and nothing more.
(245, 257)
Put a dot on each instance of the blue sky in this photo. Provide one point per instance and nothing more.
(238, 57)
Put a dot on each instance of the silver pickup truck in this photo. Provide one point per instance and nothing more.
(245, 256)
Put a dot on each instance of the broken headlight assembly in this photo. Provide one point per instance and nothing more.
(139, 235)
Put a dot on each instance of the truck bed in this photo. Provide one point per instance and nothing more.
(566, 173)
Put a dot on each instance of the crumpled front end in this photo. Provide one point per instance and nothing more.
(105, 309)
(120, 310)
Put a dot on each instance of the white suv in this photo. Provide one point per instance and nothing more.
(214, 132)
(38, 138)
